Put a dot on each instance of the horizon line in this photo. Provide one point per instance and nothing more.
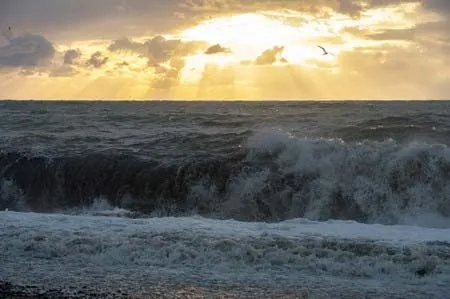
(217, 100)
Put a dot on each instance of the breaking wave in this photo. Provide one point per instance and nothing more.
(275, 177)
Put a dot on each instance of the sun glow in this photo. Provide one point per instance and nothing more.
(247, 29)
(195, 65)
(267, 53)
(248, 35)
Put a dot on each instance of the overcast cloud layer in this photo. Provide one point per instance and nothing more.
(54, 17)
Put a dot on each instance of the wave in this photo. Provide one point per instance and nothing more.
(424, 126)
(275, 177)
(333, 258)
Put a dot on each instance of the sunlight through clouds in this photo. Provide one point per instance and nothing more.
(207, 47)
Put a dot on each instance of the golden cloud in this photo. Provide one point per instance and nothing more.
(245, 49)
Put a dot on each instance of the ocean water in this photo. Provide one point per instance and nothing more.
(237, 199)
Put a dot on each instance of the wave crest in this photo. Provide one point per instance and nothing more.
(276, 177)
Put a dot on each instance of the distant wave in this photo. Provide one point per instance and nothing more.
(424, 126)
(275, 177)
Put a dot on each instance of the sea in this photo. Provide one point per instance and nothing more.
(217, 199)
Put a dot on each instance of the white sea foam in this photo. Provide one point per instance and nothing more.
(380, 182)
(59, 249)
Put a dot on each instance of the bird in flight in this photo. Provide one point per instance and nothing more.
(325, 52)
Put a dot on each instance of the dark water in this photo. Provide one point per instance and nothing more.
(256, 161)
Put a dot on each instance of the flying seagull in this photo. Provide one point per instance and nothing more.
(325, 52)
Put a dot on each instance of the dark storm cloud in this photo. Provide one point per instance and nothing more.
(26, 51)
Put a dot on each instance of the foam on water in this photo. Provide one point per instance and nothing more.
(61, 249)
(275, 177)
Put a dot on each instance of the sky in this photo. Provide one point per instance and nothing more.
(224, 49)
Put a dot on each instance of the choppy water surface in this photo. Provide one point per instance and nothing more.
(228, 195)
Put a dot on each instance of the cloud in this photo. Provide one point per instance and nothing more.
(427, 34)
(349, 7)
(60, 19)
(404, 44)
(441, 6)
(157, 49)
(26, 51)
(160, 49)
(71, 56)
(97, 60)
(407, 34)
(165, 56)
(216, 49)
(270, 56)
(125, 44)
(179, 15)
(68, 67)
